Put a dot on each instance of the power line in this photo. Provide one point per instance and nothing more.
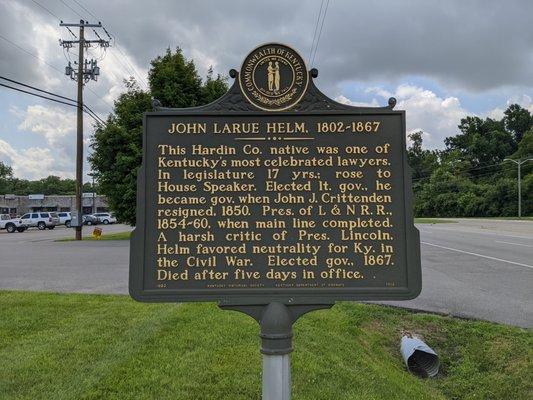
(89, 110)
(71, 9)
(31, 54)
(34, 88)
(320, 32)
(53, 15)
(51, 66)
(46, 9)
(85, 9)
(465, 171)
(95, 117)
(141, 80)
(86, 108)
(315, 31)
(38, 95)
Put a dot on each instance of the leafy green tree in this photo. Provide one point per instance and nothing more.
(174, 80)
(525, 147)
(117, 146)
(482, 142)
(518, 120)
(54, 185)
(213, 88)
(439, 196)
(422, 161)
(51, 185)
(525, 151)
(5, 171)
(117, 151)
(527, 190)
(6, 174)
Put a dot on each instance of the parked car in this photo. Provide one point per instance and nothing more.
(106, 218)
(11, 224)
(90, 219)
(64, 218)
(41, 220)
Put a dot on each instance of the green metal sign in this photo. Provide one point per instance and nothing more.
(274, 193)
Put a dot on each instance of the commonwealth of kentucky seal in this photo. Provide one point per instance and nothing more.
(273, 77)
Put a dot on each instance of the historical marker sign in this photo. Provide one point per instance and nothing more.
(274, 193)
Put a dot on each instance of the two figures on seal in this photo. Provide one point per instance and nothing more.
(273, 76)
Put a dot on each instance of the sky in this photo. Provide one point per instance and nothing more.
(442, 60)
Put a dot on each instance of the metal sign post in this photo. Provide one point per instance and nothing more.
(274, 201)
(276, 320)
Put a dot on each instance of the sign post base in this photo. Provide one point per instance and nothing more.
(275, 320)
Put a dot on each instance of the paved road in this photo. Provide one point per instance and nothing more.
(477, 269)
(473, 268)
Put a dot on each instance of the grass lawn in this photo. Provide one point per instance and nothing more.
(433, 221)
(58, 346)
(105, 236)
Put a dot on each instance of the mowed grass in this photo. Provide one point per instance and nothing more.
(105, 236)
(433, 221)
(58, 346)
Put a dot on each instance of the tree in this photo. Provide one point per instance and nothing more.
(518, 120)
(117, 146)
(423, 162)
(51, 185)
(117, 151)
(525, 147)
(6, 174)
(481, 142)
(174, 81)
(213, 88)
(469, 178)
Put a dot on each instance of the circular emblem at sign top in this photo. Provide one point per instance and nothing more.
(273, 77)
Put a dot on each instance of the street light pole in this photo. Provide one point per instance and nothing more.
(519, 164)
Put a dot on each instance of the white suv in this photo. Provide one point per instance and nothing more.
(64, 218)
(41, 220)
(105, 218)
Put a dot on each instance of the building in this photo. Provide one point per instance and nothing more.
(18, 205)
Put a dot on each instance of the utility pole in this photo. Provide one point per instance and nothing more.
(519, 164)
(86, 70)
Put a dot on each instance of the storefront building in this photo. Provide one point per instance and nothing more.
(18, 205)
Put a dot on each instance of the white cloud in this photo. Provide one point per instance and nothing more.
(58, 127)
(524, 101)
(345, 100)
(435, 116)
(54, 123)
(495, 113)
(31, 163)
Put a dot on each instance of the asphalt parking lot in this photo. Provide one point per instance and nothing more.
(33, 260)
(472, 268)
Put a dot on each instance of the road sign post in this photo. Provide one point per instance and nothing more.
(519, 165)
(274, 201)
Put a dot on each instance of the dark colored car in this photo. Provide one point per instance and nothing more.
(90, 220)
